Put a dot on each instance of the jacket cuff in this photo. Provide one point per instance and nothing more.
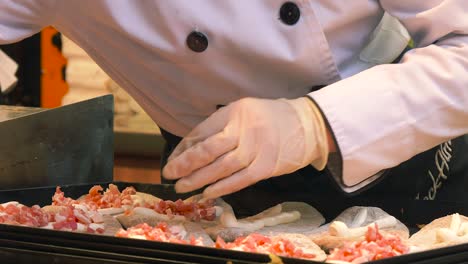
(334, 167)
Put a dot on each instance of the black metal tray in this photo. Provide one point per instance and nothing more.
(33, 245)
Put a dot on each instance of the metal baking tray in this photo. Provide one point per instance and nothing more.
(27, 245)
(65, 145)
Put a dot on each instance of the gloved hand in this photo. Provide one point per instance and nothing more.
(248, 141)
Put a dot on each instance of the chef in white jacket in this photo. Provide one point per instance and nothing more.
(263, 88)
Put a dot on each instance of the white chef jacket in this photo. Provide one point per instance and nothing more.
(379, 116)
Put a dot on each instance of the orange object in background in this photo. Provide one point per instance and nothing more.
(53, 65)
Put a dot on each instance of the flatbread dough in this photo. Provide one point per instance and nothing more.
(442, 232)
(355, 221)
(141, 215)
(111, 225)
(195, 230)
(141, 198)
(52, 209)
(305, 243)
(290, 217)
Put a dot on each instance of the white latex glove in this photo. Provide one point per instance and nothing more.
(248, 141)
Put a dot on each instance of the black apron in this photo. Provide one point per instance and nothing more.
(431, 184)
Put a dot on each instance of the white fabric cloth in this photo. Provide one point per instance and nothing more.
(8, 68)
(380, 116)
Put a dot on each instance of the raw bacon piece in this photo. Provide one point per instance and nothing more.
(66, 213)
(126, 196)
(257, 243)
(76, 218)
(111, 198)
(65, 225)
(97, 198)
(60, 199)
(374, 247)
(192, 211)
(18, 214)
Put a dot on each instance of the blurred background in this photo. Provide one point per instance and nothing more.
(53, 71)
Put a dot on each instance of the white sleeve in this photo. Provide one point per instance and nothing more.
(387, 114)
(20, 19)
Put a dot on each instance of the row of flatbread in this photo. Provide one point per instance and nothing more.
(303, 223)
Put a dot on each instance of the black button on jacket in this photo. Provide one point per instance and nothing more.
(290, 13)
(197, 41)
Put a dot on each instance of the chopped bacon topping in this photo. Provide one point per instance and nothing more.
(375, 246)
(161, 232)
(68, 218)
(71, 218)
(111, 198)
(257, 243)
(193, 211)
(18, 214)
(97, 198)
(82, 215)
(60, 199)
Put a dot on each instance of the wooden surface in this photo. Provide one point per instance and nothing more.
(137, 169)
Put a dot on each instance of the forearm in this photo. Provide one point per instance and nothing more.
(387, 114)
